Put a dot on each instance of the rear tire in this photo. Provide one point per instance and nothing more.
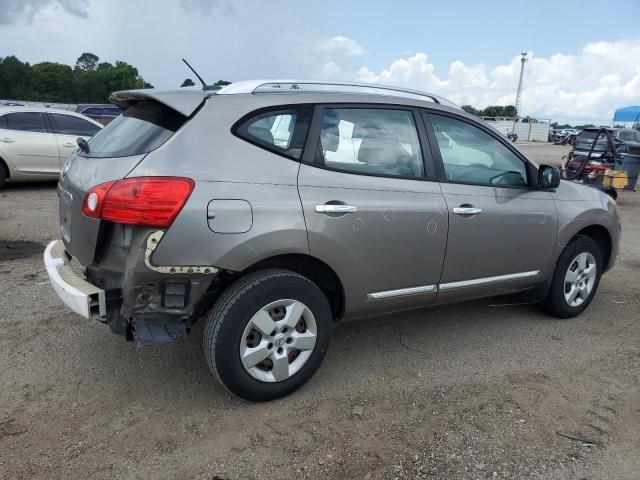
(267, 334)
(576, 278)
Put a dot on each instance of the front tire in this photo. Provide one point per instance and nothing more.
(267, 334)
(576, 278)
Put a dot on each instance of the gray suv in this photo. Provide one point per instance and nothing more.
(275, 209)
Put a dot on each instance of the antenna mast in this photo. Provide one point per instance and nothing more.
(204, 85)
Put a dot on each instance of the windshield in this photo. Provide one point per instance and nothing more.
(142, 127)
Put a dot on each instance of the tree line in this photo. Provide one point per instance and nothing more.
(190, 83)
(492, 111)
(88, 81)
(510, 111)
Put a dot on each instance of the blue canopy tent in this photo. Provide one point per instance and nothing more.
(627, 114)
(629, 160)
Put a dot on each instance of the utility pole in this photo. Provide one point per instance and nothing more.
(523, 59)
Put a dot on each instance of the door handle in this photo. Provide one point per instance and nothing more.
(8, 140)
(71, 145)
(467, 210)
(339, 208)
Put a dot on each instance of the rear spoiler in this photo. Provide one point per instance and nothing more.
(184, 100)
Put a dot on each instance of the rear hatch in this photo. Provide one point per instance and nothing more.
(149, 119)
(585, 139)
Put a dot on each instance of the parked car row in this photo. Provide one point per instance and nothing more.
(103, 114)
(36, 141)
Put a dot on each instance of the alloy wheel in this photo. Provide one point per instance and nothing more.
(278, 340)
(580, 279)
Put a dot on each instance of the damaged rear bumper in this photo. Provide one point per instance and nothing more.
(136, 298)
(79, 295)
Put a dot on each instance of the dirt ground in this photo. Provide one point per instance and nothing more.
(477, 390)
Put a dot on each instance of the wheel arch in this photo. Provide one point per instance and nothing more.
(603, 238)
(312, 268)
(599, 234)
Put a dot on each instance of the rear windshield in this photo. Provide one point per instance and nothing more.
(142, 127)
(590, 135)
(584, 141)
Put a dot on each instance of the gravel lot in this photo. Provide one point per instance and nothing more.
(478, 390)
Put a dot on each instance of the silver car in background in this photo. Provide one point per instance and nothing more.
(273, 209)
(36, 141)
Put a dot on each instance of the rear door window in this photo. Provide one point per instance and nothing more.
(370, 141)
(281, 131)
(26, 122)
(3, 122)
(142, 127)
(71, 125)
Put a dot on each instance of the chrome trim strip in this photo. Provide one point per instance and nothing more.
(401, 292)
(488, 280)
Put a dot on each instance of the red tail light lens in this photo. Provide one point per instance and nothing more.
(94, 199)
(145, 201)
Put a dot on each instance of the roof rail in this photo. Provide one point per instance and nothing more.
(313, 86)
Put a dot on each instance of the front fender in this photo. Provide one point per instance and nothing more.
(580, 207)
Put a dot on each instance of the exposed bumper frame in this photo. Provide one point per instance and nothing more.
(79, 295)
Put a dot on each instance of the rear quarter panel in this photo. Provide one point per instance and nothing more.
(227, 167)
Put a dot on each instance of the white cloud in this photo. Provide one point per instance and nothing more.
(342, 45)
(588, 86)
(331, 70)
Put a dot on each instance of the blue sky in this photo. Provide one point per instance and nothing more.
(488, 32)
(584, 56)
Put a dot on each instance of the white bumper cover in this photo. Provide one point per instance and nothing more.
(79, 295)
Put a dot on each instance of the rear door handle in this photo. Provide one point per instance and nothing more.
(8, 140)
(467, 210)
(71, 145)
(339, 208)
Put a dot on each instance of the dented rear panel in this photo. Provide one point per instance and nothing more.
(145, 125)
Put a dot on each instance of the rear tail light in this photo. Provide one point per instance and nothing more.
(145, 201)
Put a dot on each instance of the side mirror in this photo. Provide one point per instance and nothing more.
(548, 176)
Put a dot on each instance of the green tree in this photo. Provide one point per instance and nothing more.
(15, 79)
(492, 111)
(187, 83)
(222, 83)
(90, 81)
(87, 61)
(471, 110)
(53, 81)
(499, 111)
(509, 111)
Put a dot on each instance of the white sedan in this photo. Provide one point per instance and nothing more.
(35, 142)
